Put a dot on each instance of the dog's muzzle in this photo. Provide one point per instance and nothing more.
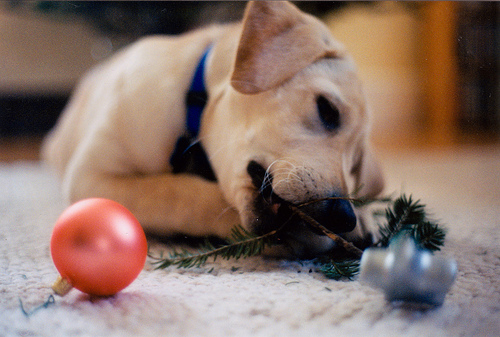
(337, 215)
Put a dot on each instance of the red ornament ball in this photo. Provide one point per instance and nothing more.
(98, 246)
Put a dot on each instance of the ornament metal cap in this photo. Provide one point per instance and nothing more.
(61, 286)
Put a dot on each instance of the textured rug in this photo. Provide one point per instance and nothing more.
(259, 297)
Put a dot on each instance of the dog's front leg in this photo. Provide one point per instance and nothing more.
(164, 204)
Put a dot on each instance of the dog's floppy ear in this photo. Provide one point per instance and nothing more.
(277, 41)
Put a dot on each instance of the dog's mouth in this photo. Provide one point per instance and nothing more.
(267, 205)
(273, 212)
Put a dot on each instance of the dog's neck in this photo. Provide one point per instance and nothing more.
(189, 155)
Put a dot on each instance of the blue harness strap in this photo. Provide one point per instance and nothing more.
(189, 155)
(196, 98)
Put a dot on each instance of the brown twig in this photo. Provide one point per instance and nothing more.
(328, 198)
(349, 247)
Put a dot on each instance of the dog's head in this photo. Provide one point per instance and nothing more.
(290, 125)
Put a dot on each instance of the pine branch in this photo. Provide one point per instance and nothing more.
(429, 236)
(337, 269)
(410, 216)
(404, 214)
(242, 244)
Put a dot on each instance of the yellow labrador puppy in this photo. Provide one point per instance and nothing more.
(274, 113)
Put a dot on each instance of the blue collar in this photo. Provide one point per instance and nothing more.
(188, 155)
(196, 98)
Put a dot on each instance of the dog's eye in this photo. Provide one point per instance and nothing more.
(329, 114)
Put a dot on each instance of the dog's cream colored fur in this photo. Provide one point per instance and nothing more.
(119, 130)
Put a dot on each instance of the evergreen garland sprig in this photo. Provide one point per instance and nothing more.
(404, 215)
(336, 269)
(242, 244)
(409, 217)
(429, 235)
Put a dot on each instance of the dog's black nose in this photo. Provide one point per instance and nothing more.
(336, 214)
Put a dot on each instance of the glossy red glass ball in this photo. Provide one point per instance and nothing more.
(98, 246)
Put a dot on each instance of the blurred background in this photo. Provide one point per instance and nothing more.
(430, 69)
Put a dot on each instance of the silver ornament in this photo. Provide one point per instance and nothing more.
(406, 273)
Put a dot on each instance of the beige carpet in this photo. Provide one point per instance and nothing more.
(256, 297)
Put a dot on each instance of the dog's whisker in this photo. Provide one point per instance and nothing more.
(266, 183)
(293, 176)
(264, 186)
(281, 176)
(268, 180)
(285, 172)
(193, 143)
(287, 181)
(224, 211)
(196, 140)
(281, 185)
(277, 184)
(286, 160)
